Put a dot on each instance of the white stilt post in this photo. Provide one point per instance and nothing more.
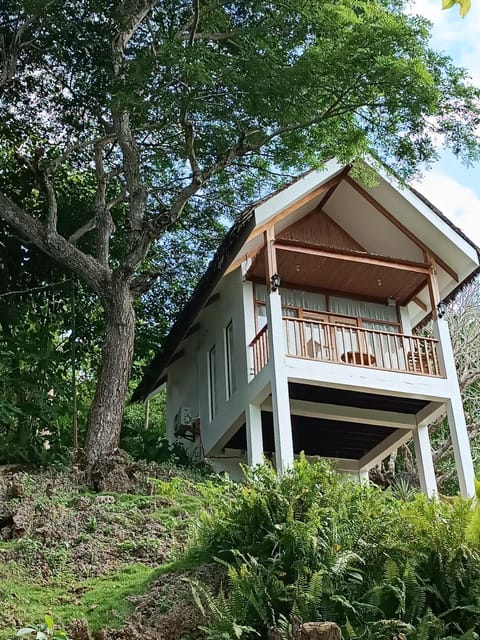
(461, 446)
(423, 454)
(282, 426)
(253, 419)
(363, 476)
(455, 414)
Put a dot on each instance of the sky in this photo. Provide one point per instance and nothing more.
(452, 187)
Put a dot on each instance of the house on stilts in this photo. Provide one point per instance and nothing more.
(301, 336)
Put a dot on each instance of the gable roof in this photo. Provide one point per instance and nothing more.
(155, 373)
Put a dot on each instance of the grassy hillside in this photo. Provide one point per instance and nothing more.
(78, 555)
(242, 561)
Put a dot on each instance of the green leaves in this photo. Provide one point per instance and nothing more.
(464, 5)
(380, 567)
(47, 630)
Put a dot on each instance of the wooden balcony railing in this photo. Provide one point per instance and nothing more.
(359, 346)
(350, 345)
(259, 351)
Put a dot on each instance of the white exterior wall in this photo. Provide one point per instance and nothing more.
(188, 384)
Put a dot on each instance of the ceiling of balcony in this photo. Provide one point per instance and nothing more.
(345, 274)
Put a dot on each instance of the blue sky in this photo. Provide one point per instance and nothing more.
(454, 188)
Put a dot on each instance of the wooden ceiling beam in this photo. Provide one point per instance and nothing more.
(416, 291)
(328, 188)
(420, 303)
(381, 209)
(285, 245)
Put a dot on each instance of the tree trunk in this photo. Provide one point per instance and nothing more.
(105, 419)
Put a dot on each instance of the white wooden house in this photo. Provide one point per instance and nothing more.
(300, 335)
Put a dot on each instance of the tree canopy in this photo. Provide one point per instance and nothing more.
(123, 123)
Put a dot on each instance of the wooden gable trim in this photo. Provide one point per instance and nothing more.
(248, 254)
(415, 293)
(327, 196)
(350, 243)
(360, 247)
(330, 185)
(281, 215)
(381, 209)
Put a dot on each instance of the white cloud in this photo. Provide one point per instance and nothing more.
(461, 204)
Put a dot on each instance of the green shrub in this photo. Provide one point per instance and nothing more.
(309, 545)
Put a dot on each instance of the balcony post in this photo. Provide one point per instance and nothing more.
(282, 425)
(253, 420)
(363, 477)
(423, 455)
(455, 413)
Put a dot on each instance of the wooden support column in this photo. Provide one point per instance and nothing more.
(270, 256)
(433, 288)
(282, 425)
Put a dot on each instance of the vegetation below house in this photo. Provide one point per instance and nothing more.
(254, 558)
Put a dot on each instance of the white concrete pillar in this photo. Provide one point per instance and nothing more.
(282, 425)
(253, 425)
(461, 446)
(455, 413)
(423, 454)
(363, 476)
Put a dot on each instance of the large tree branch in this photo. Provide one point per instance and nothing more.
(55, 245)
(81, 231)
(103, 219)
(137, 193)
(78, 146)
(52, 206)
(133, 12)
(202, 12)
(195, 21)
(10, 51)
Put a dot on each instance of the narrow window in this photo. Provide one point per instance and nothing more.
(230, 360)
(261, 315)
(212, 382)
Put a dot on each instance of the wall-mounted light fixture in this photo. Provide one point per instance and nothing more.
(441, 309)
(391, 302)
(274, 282)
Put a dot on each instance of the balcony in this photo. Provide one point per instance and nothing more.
(352, 345)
